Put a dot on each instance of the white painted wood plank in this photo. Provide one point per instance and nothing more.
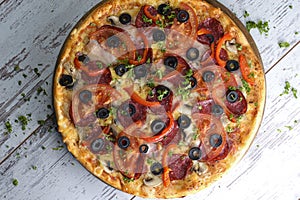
(45, 173)
(270, 169)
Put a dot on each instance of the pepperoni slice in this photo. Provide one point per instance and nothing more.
(180, 165)
(214, 26)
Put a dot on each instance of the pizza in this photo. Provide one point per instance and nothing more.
(158, 98)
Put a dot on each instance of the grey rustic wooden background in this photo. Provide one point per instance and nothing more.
(31, 35)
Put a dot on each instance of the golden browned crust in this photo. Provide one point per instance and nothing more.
(193, 182)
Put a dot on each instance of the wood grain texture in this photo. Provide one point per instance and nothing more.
(32, 33)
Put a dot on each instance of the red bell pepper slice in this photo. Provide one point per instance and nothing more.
(137, 98)
(221, 42)
(165, 175)
(165, 132)
(245, 70)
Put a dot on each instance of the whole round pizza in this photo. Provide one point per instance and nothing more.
(159, 98)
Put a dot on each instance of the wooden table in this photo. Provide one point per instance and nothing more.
(31, 35)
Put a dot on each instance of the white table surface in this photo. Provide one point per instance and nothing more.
(31, 35)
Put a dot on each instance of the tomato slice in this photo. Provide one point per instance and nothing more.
(210, 126)
(129, 161)
(165, 175)
(100, 95)
(125, 48)
(245, 70)
(94, 68)
(183, 35)
(139, 99)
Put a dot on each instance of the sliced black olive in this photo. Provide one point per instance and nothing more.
(65, 80)
(171, 61)
(232, 65)
(217, 110)
(183, 121)
(156, 168)
(183, 16)
(232, 96)
(192, 53)
(215, 140)
(102, 113)
(211, 38)
(158, 35)
(125, 18)
(140, 71)
(192, 82)
(157, 126)
(195, 153)
(144, 148)
(85, 96)
(208, 76)
(128, 109)
(121, 69)
(164, 9)
(123, 142)
(162, 92)
(84, 59)
(113, 42)
(97, 145)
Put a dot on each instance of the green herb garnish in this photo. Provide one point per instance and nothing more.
(283, 44)
(15, 182)
(8, 126)
(246, 14)
(146, 19)
(246, 86)
(263, 27)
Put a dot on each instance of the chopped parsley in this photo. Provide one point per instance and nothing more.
(8, 126)
(291, 6)
(58, 148)
(128, 180)
(146, 19)
(17, 68)
(296, 33)
(283, 44)
(24, 121)
(246, 86)
(34, 167)
(19, 82)
(161, 95)
(36, 71)
(246, 14)
(15, 182)
(289, 127)
(288, 88)
(41, 122)
(263, 27)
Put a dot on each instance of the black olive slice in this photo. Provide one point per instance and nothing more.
(183, 121)
(182, 16)
(171, 61)
(102, 113)
(158, 35)
(85, 96)
(208, 76)
(192, 82)
(84, 59)
(125, 18)
(215, 140)
(113, 42)
(123, 142)
(195, 153)
(65, 80)
(232, 65)
(140, 71)
(217, 110)
(157, 126)
(144, 148)
(97, 145)
(128, 110)
(120, 69)
(232, 96)
(164, 9)
(192, 53)
(211, 38)
(162, 92)
(156, 168)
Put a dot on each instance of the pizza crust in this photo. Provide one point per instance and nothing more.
(193, 183)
